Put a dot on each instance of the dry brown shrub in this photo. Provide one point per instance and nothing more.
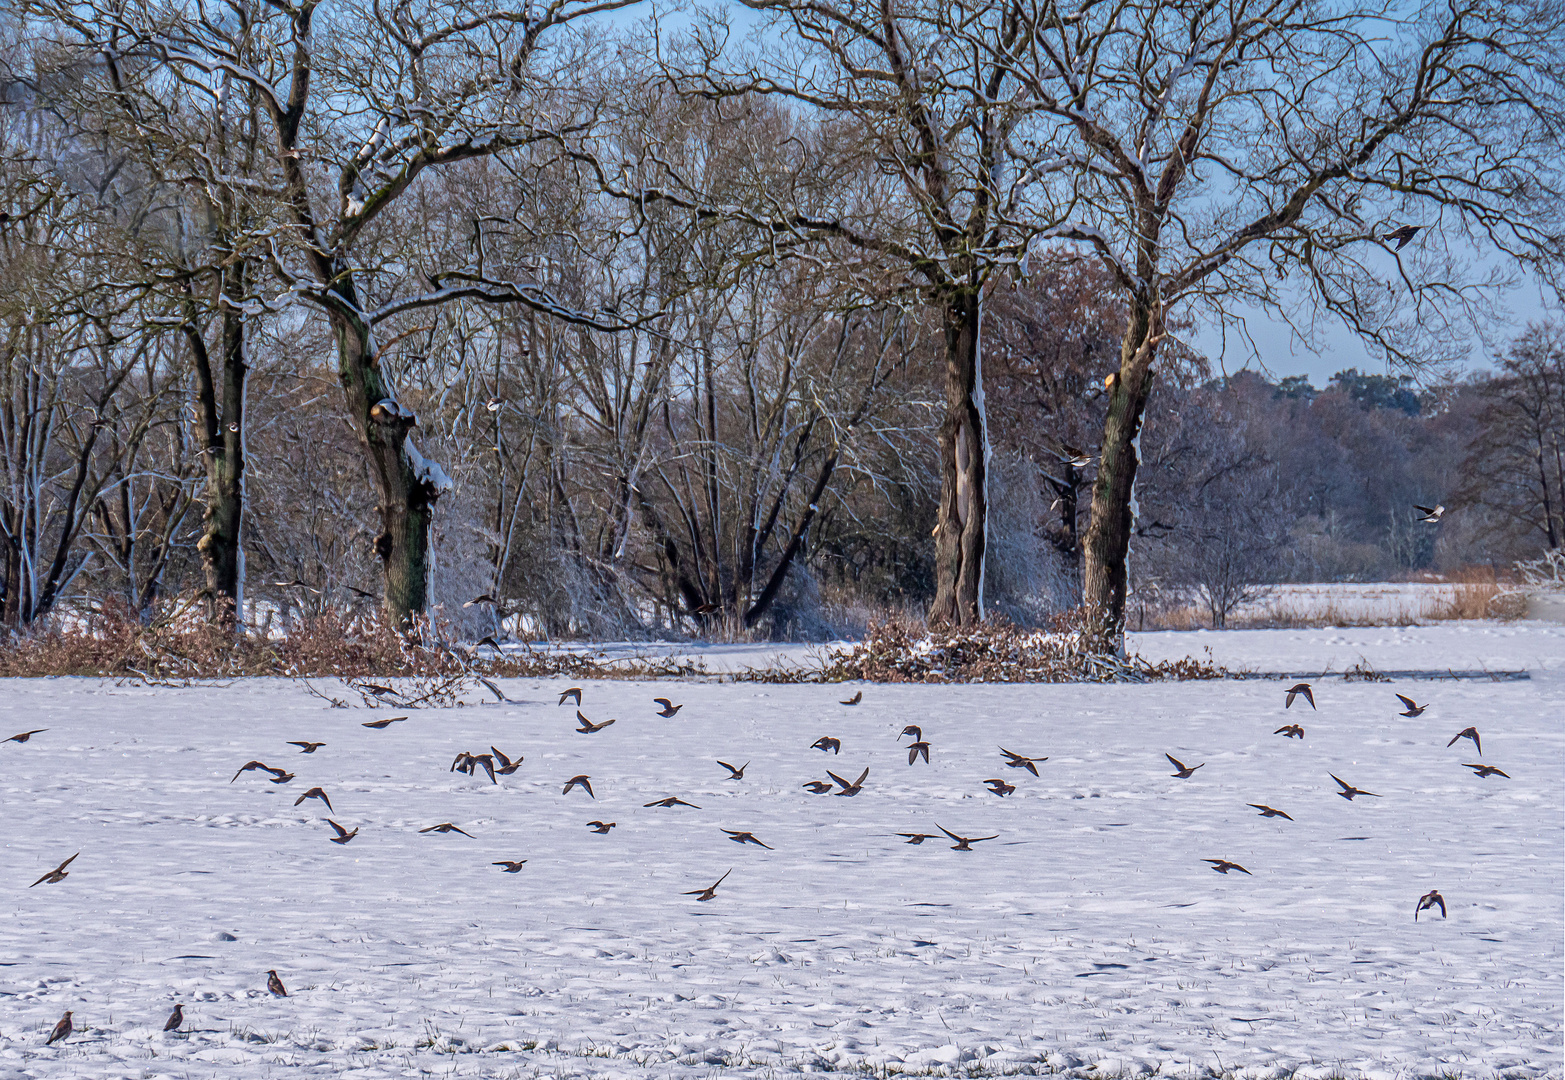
(176, 647)
(1477, 592)
(997, 651)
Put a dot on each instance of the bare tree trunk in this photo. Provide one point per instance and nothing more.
(960, 529)
(220, 402)
(1107, 547)
(408, 484)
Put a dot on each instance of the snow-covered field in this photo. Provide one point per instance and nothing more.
(1090, 937)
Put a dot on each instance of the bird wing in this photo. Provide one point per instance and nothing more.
(720, 880)
(1425, 509)
(952, 835)
(1407, 701)
(340, 830)
(663, 701)
(1177, 763)
(505, 762)
(839, 779)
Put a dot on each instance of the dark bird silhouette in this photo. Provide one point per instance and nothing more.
(487, 639)
(917, 837)
(1485, 771)
(746, 838)
(1017, 761)
(1291, 731)
(377, 690)
(62, 1030)
(588, 727)
(507, 765)
(1295, 690)
(175, 1018)
(58, 874)
(672, 800)
(281, 777)
(307, 747)
(1185, 771)
(485, 762)
(482, 598)
(1430, 899)
(669, 708)
(1267, 811)
(275, 985)
(1222, 866)
(378, 724)
(249, 765)
(1348, 790)
(733, 773)
(1000, 787)
(1468, 733)
(963, 843)
(1412, 708)
(24, 736)
(462, 763)
(913, 730)
(315, 793)
(1431, 514)
(601, 826)
(855, 699)
(817, 787)
(510, 867)
(447, 827)
(1402, 235)
(915, 749)
(582, 780)
(847, 788)
(710, 891)
(826, 742)
(573, 692)
(343, 835)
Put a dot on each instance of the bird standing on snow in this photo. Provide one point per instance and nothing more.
(175, 1018)
(62, 1030)
(275, 985)
(1430, 899)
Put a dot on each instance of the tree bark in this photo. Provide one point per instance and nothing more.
(220, 403)
(407, 483)
(1107, 546)
(961, 527)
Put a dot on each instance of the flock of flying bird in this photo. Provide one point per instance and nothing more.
(497, 763)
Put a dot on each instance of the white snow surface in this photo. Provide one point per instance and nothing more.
(1090, 938)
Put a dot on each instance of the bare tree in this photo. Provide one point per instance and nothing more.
(356, 115)
(1516, 465)
(1218, 150)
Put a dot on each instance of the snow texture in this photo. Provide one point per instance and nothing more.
(1090, 938)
